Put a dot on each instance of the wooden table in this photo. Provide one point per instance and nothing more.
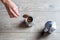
(41, 10)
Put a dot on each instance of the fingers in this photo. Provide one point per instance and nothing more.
(10, 12)
(13, 12)
(14, 8)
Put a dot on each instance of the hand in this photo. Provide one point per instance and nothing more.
(11, 7)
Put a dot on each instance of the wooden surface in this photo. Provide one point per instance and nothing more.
(41, 10)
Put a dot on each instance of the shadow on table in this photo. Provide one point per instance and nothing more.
(42, 35)
(23, 24)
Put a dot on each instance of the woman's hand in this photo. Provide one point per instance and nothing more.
(11, 7)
